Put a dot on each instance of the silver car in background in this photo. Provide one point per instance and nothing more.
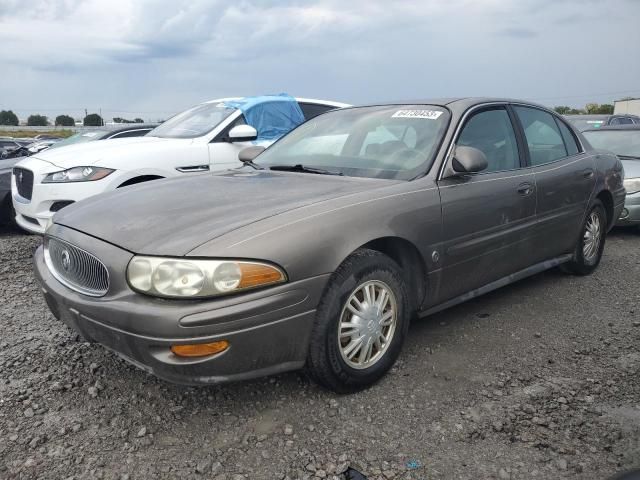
(624, 141)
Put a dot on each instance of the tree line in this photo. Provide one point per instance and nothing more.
(8, 117)
(589, 109)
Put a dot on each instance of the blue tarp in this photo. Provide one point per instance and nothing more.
(271, 115)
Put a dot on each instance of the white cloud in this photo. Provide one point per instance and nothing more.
(162, 55)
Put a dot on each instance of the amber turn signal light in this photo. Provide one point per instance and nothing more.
(254, 275)
(200, 349)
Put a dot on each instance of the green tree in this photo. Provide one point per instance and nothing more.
(562, 109)
(7, 117)
(93, 120)
(37, 121)
(65, 121)
(138, 120)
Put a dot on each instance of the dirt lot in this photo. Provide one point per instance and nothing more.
(537, 380)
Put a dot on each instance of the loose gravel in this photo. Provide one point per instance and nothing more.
(537, 380)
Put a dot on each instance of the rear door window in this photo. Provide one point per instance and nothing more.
(543, 136)
(569, 140)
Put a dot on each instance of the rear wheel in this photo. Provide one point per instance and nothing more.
(360, 324)
(588, 252)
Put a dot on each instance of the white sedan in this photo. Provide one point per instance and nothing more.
(204, 138)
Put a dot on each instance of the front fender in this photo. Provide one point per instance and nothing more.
(316, 239)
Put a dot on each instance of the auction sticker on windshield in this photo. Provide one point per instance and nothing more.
(430, 114)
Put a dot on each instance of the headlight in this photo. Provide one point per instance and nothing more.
(78, 174)
(186, 278)
(632, 185)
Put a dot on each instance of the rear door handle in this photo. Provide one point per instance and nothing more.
(587, 173)
(525, 189)
(193, 168)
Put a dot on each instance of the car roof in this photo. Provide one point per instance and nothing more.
(630, 126)
(601, 116)
(298, 99)
(459, 103)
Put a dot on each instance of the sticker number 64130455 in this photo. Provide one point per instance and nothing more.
(430, 114)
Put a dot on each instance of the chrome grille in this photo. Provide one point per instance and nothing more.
(24, 182)
(75, 268)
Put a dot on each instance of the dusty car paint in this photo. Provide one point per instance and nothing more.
(456, 237)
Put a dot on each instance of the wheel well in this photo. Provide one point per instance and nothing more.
(607, 200)
(405, 254)
(142, 178)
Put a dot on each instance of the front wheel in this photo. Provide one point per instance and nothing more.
(588, 252)
(361, 323)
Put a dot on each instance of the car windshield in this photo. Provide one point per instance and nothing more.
(80, 138)
(620, 142)
(194, 122)
(390, 142)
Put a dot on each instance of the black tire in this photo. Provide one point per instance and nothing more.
(325, 362)
(579, 265)
(7, 213)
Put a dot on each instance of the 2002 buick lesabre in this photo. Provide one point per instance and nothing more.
(319, 251)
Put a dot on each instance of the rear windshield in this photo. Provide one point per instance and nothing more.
(620, 142)
(583, 124)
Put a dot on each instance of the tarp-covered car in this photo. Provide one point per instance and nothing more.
(204, 138)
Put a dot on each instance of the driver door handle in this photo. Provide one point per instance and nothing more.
(525, 189)
(193, 168)
(587, 173)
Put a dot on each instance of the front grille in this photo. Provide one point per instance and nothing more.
(75, 268)
(24, 182)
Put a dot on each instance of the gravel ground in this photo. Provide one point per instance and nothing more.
(537, 380)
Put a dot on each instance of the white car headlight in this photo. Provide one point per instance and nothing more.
(632, 185)
(186, 278)
(78, 174)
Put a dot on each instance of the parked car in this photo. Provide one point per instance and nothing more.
(130, 130)
(321, 249)
(8, 144)
(624, 141)
(589, 122)
(7, 213)
(204, 138)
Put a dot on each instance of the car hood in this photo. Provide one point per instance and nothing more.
(172, 217)
(114, 153)
(631, 168)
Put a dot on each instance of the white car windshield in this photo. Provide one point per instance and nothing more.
(194, 122)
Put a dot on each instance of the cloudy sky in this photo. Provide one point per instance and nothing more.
(151, 58)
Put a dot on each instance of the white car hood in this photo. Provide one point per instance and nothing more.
(115, 153)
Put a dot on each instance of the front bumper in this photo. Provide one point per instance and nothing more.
(268, 330)
(631, 213)
(35, 215)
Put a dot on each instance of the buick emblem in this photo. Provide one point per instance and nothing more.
(66, 260)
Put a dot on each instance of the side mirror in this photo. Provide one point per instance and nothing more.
(469, 160)
(243, 133)
(249, 153)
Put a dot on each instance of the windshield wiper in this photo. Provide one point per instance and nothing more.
(630, 157)
(301, 168)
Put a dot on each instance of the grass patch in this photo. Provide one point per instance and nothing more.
(34, 133)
